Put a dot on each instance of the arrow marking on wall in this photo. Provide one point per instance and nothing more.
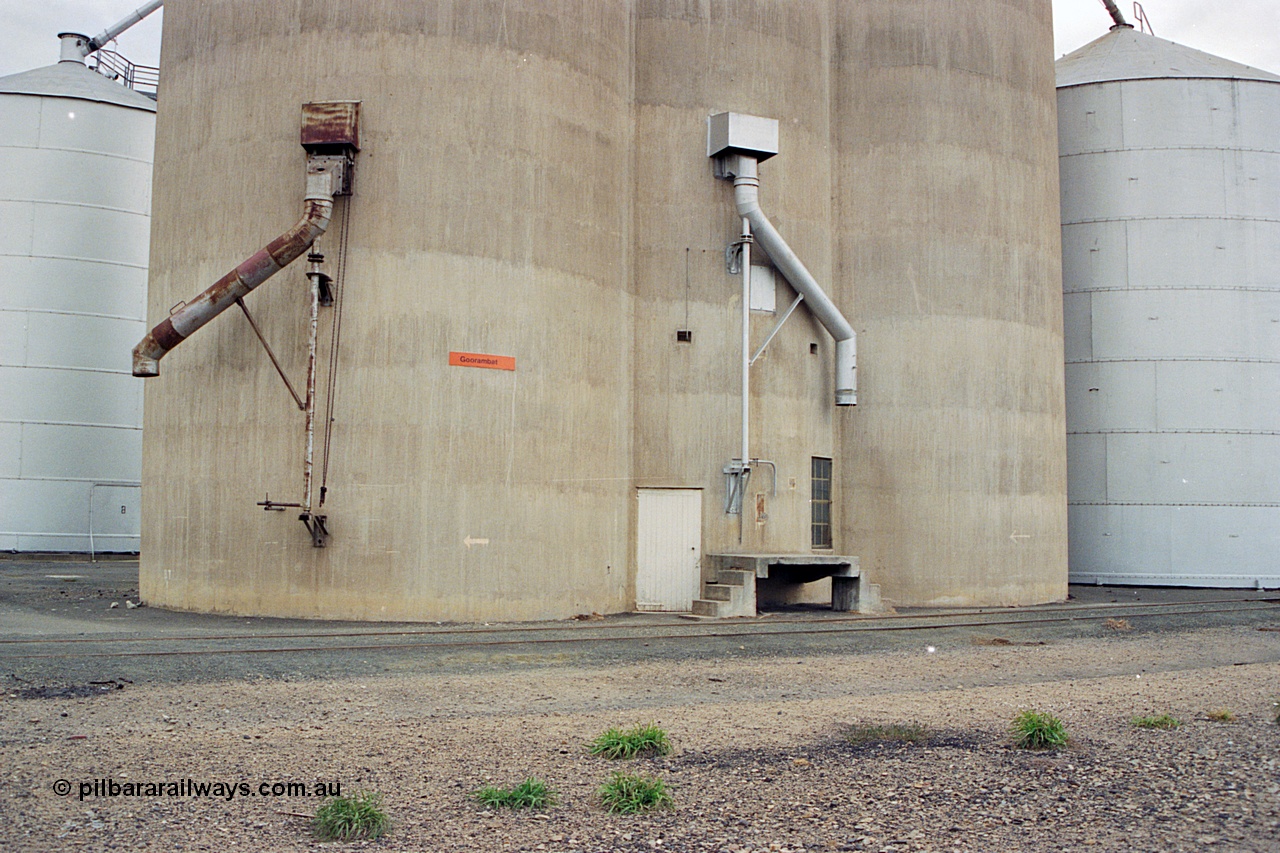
(1014, 537)
(469, 541)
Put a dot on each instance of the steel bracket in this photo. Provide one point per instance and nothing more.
(733, 254)
(736, 476)
(315, 525)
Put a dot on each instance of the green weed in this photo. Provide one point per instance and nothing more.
(628, 794)
(1163, 721)
(1221, 715)
(1036, 730)
(351, 818)
(639, 740)
(532, 793)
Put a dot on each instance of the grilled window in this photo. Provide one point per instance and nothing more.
(821, 502)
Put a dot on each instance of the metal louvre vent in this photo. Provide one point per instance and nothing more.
(821, 502)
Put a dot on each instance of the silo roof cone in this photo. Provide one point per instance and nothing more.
(1128, 54)
(73, 80)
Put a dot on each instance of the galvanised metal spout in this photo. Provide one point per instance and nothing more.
(323, 179)
(101, 39)
(746, 192)
(1116, 15)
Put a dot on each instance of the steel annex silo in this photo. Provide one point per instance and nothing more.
(531, 373)
(75, 195)
(1170, 165)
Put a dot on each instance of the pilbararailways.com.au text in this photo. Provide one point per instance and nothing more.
(100, 788)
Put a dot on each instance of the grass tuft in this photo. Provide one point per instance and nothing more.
(1036, 730)
(1119, 625)
(351, 818)
(532, 793)
(1221, 715)
(640, 740)
(1162, 721)
(625, 793)
(864, 733)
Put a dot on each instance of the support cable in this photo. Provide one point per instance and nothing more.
(339, 289)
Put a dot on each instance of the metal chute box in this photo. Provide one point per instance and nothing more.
(331, 127)
(736, 132)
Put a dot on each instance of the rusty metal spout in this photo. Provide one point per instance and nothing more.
(324, 178)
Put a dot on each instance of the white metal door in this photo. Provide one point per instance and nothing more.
(114, 522)
(668, 549)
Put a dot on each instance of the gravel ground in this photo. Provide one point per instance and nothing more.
(759, 761)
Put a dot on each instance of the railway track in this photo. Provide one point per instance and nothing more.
(368, 639)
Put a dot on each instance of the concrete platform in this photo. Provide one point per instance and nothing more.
(727, 594)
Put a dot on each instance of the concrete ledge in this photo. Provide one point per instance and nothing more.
(787, 566)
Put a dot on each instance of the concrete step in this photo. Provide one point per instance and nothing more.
(720, 592)
(727, 592)
(703, 607)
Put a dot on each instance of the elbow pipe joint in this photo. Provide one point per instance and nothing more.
(746, 191)
(323, 177)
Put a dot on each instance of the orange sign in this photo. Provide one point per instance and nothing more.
(475, 359)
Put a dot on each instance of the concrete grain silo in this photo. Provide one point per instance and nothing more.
(530, 395)
(946, 242)
(75, 188)
(1170, 167)
(756, 59)
(489, 216)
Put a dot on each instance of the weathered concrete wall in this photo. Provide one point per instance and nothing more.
(955, 475)
(762, 58)
(534, 183)
(491, 215)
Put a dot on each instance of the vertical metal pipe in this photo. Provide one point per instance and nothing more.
(92, 555)
(746, 375)
(314, 276)
(746, 344)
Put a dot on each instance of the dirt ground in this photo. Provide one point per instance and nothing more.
(759, 764)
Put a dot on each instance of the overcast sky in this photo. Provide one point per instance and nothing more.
(1246, 31)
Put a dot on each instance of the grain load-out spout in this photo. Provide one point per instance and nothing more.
(1116, 15)
(329, 135)
(737, 143)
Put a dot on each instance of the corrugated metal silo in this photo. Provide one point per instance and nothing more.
(75, 186)
(1170, 164)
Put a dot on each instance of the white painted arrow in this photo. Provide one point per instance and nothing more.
(469, 541)
(1014, 537)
